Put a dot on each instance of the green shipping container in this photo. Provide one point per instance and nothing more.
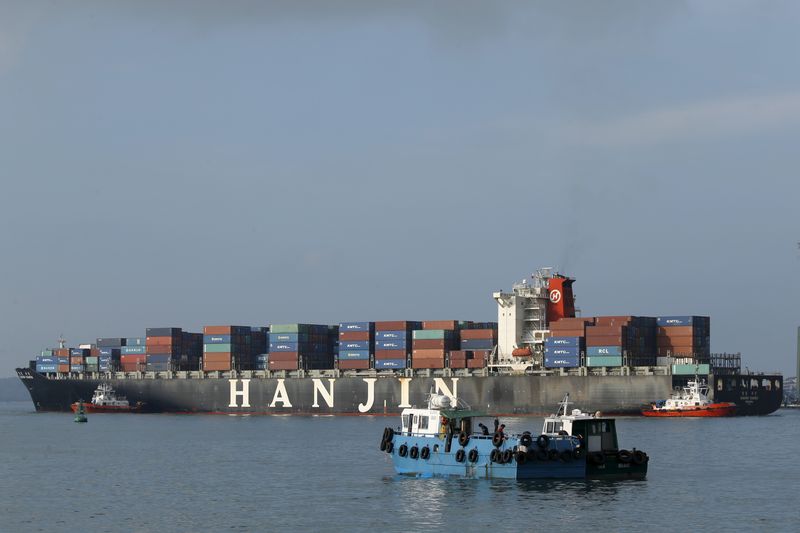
(604, 360)
(431, 334)
(288, 328)
(216, 348)
(92, 368)
(90, 360)
(690, 370)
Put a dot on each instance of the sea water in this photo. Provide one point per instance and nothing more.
(164, 473)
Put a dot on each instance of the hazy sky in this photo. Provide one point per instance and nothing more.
(191, 163)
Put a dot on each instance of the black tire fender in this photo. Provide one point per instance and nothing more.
(473, 455)
(463, 438)
(403, 450)
(460, 455)
(425, 453)
(413, 452)
(542, 441)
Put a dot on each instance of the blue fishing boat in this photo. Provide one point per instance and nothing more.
(449, 439)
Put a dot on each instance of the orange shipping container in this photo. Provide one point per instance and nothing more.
(476, 363)
(440, 324)
(63, 368)
(604, 340)
(162, 341)
(606, 330)
(210, 367)
(479, 334)
(218, 357)
(217, 330)
(156, 349)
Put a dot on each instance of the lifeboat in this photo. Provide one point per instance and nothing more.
(521, 352)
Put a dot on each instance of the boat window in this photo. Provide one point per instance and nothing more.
(423, 422)
(405, 421)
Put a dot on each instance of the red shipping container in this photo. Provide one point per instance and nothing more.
(461, 354)
(217, 330)
(428, 362)
(597, 331)
(393, 325)
(478, 354)
(284, 356)
(283, 365)
(572, 322)
(390, 354)
(567, 333)
(210, 366)
(94, 352)
(133, 358)
(162, 341)
(353, 365)
(458, 363)
(427, 353)
(440, 324)
(431, 344)
(61, 352)
(613, 320)
(605, 340)
(479, 334)
(354, 335)
(156, 349)
(63, 368)
(476, 363)
(76, 360)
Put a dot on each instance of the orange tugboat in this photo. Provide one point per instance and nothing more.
(105, 400)
(691, 401)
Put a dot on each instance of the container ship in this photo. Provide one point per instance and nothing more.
(523, 364)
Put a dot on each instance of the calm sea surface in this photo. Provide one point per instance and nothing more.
(165, 473)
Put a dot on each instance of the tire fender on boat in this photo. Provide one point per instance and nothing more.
(624, 456)
(497, 439)
(495, 456)
(425, 453)
(403, 450)
(508, 456)
(473, 455)
(639, 457)
(526, 439)
(542, 441)
(413, 452)
(460, 455)
(389, 447)
(463, 438)
(597, 458)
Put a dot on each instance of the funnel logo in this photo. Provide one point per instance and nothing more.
(555, 296)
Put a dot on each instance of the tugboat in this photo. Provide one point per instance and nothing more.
(693, 401)
(445, 440)
(105, 400)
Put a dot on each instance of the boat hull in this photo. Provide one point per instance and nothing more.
(377, 395)
(712, 410)
(89, 407)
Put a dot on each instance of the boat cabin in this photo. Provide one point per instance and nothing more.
(440, 419)
(596, 432)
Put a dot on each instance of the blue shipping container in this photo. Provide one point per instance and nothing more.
(158, 358)
(47, 360)
(558, 351)
(133, 350)
(392, 335)
(135, 341)
(76, 368)
(42, 367)
(383, 364)
(78, 352)
(158, 367)
(561, 362)
(62, 360)
(110, 352)
(595, 351)
(354, 355)
(400, 344)
(354, 345)
(477, 344)
(356, 326)
(680, 320)
(283, 346)
(563, 341)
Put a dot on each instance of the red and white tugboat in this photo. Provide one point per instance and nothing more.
(691, 401)
(105, 400)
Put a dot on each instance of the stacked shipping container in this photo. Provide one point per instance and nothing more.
(393, 341)
(356, 345)
(301, 346)
(684, 336)
(133, 356)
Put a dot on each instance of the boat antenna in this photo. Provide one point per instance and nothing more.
(61, 342)
(564, 405)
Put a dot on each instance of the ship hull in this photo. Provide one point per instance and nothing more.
(378, 395)
(91, 408)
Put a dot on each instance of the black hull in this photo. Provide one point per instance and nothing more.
(500, 395)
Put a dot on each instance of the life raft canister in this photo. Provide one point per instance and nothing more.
(521, 352)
